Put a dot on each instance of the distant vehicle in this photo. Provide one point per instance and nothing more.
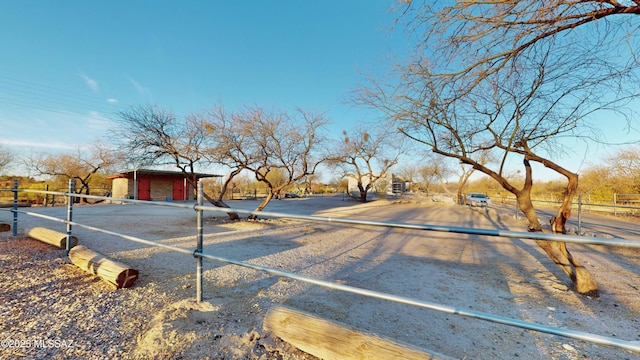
(291, 196)
(478, 199)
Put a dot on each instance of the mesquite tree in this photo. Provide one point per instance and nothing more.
(82, 165)
(365, 157)
(473, 39)
(494, 76)
(517, 114)
(153, 136)
(6, 157)
(283, 143)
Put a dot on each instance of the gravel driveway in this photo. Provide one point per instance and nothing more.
(158, 318)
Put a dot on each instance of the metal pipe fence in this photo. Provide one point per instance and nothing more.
(199, 255)
(615, 207)
(45, 197)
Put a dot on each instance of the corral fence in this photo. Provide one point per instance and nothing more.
(199, 255)
(616, 204)
(49, 196)
(622, 205)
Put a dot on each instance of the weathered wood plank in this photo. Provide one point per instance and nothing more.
(109, 270)
(331, 340)
(11, 205)
(51, 237)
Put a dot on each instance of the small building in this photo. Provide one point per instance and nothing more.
(154, 185)
(389, 184)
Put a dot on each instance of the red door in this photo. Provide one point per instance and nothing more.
(144, 189)
(178, 189)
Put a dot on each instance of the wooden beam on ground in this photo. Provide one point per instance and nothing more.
(331, 340)
(51, 237)
(11, 205)
(5, 227)
(93, 262)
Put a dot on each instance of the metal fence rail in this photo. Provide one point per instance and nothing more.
(199, 207)
(614, 207)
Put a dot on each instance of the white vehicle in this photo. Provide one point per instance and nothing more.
(478, 199)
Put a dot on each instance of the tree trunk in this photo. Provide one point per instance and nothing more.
(328, 339)
(557, 250)
(262, 205)
(526, 206)
(221, 204)
(87, 191)
(226, 183)
(580, 276)
(95, 263)
(523, 197)
(363, 192)
(214, 202)
(51, 237)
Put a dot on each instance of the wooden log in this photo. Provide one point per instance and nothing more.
(331, 340)
(11, 205)
(116, 273)
(51, 237)
(5, 227)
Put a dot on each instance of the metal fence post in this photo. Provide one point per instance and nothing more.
(70, 200)
(579, 214)
(199, 243)
(15, 207)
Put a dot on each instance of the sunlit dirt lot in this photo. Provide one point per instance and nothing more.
(47, 300)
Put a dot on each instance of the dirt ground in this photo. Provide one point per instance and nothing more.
(46, 300)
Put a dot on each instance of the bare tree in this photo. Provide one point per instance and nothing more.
(431, 172)
(233, 147)
(438, 171)
(153, 136)
(280, 143)
(409, 174)
(6, 157)
(624, 170)
(475, 39)
(366, 157)
(428, 175)
(309, 181)
(510, 115)
(465, 172)
(469, 43)
(81, 165)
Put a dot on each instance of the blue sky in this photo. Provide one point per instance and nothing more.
(66, 67)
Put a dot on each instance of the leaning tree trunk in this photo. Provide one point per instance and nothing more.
(221, 204)
(217, 203)
(580, 276)
(523, 197)
(526, 206)
(262, 205)
(557, 250)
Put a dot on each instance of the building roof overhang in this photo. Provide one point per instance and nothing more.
(130, 174)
